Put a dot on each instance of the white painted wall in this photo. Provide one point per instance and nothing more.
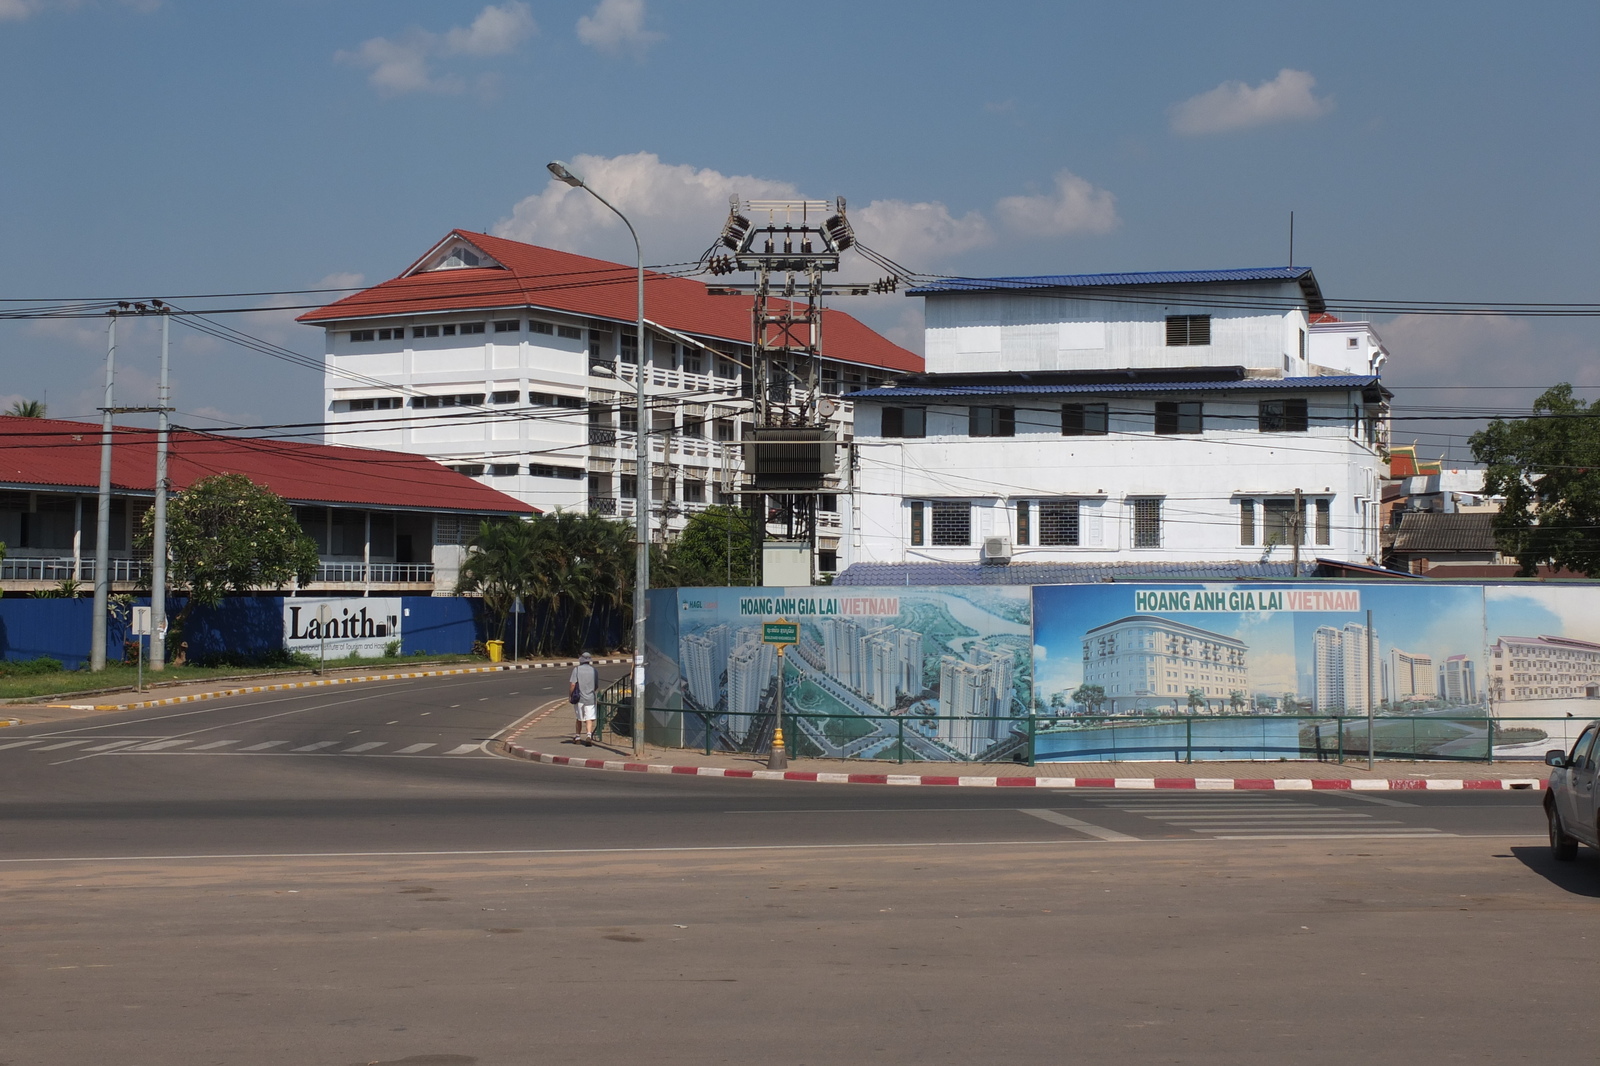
(1022, 331)
(1200, 479)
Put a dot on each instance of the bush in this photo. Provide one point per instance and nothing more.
(391, 650)
(25, 667)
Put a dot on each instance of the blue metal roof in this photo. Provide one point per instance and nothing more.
(1248, 384)
(1152, 277)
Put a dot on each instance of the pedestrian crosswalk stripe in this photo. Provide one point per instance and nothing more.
(368, 746)
(462, 750)
(214, 744)
(112, 745)
(18, 744)
(63, 744)
(319, 745)
(160, 745)
(413, 749)
(264, 745)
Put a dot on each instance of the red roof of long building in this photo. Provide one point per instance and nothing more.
(561, 281)
(50, 453)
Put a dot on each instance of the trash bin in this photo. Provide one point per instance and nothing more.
(497, 650)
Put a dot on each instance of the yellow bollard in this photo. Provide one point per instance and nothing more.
(779, 759)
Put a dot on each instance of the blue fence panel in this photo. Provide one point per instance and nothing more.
(239, 629)
(58, 629)
(440, 625)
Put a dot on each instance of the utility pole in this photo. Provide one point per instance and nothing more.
(102, 538)
(158, 547)
(1297, 528)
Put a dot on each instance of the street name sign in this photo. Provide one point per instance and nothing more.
(780, 632)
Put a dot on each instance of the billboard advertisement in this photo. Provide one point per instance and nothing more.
(1543, 664)
(926, 674)
(1244, 670)
(341, 627)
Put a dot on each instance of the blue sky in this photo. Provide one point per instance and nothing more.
(1431, 151)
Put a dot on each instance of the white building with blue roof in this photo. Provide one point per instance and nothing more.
(1216, 417)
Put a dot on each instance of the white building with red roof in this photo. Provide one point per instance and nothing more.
(384, 521)
(516, 364)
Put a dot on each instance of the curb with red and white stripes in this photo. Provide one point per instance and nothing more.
(1285, 784)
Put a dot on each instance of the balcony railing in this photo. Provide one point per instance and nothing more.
(603, 505)
(380, 574)
(59, 568)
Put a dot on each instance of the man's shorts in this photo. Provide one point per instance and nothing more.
(586, 712)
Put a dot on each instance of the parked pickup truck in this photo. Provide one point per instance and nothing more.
(1570, 802)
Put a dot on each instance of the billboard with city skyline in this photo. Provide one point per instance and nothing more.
(1264, 649)
(879, 673)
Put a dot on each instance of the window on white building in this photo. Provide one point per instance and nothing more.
(950, 523)
(1084, 419)
(508, 325)
(469, 469)
(396, 334)
(503, 469)
(1147, 522)
(424, 331)
(1247, 521)
(905, 421)
(553, 399)
(362, 334)
(1188, 330)
(569, 473)
(694, 491)
(469, 399)
(377, 403)
(471, 327)
(1175, 417)
(1058, 523)
(503, 397)
(991, 422)
(535, 326)
(570, 333)
(1282, 416)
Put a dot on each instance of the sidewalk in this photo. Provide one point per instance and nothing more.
(45, 709)
(545, 736)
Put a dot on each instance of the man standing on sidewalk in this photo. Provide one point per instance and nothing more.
(584, 681)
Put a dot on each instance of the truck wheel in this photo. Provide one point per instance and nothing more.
(1563, 848)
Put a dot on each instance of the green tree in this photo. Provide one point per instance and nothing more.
(1547, 467)
(715, 548)
(1236, 700)
(501, 566)
(27, 409)
(1090, 696)
(226, 534)
(1197, 699)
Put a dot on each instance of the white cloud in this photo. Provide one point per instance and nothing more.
(679, 210)
(496, 31)
(17, 10)
(616, 25)
(344, 279)
(1233, 105)
(913, 234)
(404, 65)
(1075, 206)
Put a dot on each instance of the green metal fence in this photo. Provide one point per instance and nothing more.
(903, 738)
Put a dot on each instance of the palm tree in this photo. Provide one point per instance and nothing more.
(27, 409)
(499, 565)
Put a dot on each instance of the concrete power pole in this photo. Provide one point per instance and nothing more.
(102, 537)
(158, 547)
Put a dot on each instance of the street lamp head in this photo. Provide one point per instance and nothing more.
(603, 370)
(562, 174)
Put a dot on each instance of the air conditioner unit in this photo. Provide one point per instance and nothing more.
(997, 549)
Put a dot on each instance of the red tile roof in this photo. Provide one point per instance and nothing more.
(52, 453)
(575, 284)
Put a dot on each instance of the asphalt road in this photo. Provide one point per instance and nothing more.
(347, 876)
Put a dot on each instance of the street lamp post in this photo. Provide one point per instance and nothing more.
(641, 472)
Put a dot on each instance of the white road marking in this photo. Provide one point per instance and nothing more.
(1343, 793)
(112, 745)
(318, 746)
(463, 749)
(18, 744)
(214, 744)
(160, 745)
(265, 745)
(1056, 818)
(63, 744)
(1332, 816)
(413, 749)
(368, 746)
(1389, 834)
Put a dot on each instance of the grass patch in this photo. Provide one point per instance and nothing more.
(117, 675)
